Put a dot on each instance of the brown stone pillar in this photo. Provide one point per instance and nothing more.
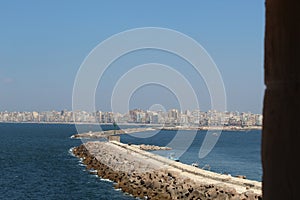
(280, 140)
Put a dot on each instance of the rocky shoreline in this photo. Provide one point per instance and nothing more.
(147, 179)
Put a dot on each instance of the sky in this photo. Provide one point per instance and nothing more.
(44, 43)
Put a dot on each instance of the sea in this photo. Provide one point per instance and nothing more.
(36, 161)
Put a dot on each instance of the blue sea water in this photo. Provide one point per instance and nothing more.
(36, 162)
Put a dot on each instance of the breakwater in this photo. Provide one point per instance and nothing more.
(105, 134)
(150, 176)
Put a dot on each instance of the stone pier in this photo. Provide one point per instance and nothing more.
(149, 176)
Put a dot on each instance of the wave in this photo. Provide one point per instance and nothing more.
(106, 180)
(95, 175)
(71, 151)
(80, 164)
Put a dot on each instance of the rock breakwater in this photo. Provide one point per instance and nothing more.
(147, 178)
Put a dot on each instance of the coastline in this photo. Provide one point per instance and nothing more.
(107, 133)
(156, 126)
(144, 174)
(215, 128)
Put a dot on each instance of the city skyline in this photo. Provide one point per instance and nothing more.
(167, 117)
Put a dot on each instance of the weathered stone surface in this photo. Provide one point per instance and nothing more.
(241, 176)
(151, 147)
(160, 184)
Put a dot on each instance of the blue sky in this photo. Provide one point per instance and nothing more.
(43, 43)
